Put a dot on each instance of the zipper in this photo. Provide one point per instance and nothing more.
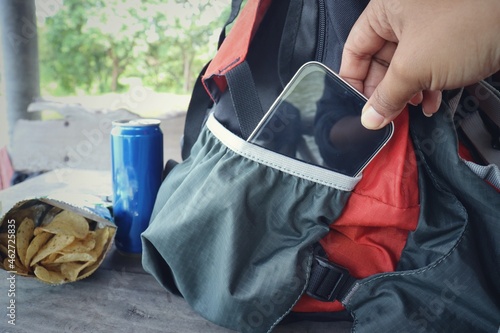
(320, 49)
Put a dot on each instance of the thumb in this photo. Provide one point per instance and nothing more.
(388, 99)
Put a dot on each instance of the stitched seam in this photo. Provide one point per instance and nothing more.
(385, 203)
(351, 292)
(425, 269)
(308, 275)
(289, 171)
(420, 271)
(232, 63)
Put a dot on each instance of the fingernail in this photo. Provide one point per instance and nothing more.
(428, 115)
(371, 119)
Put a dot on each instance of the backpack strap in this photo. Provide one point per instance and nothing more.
(196, 113)
(200, 101)
(245, 98)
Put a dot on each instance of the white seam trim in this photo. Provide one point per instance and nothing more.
(241, 147)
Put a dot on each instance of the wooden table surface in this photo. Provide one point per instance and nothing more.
(118, 297)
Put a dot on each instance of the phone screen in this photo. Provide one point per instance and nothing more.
(317, 119)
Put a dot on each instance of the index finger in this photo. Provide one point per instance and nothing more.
(362, 44)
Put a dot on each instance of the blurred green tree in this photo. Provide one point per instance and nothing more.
(89, 45)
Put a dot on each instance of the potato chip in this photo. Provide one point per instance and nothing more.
(70, 270)
(102, 239)
(52, 267)
(89, 270)
(36, 244)
(48, 276)
(38, 231)
(23, 237)
(81, 245)
(69, 257)
(54, 245)
(68, 223)
(102, 236)
(50, 259)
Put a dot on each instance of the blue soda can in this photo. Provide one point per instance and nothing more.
(137, 165)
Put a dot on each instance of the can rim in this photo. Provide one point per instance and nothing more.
(137, 122)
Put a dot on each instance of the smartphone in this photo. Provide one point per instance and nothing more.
(317, 119)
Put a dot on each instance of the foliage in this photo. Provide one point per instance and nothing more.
(92, 45)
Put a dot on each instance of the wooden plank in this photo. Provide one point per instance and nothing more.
(114, 301)
(81, 139)
(107, 301)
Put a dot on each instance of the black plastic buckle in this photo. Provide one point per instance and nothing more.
(328, 282)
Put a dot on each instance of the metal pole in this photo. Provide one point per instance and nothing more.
(20, 57)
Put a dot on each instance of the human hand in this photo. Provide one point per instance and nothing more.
(407, 51)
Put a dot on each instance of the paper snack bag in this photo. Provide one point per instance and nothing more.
(53, 241)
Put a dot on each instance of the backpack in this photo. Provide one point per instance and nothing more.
(251, 238)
